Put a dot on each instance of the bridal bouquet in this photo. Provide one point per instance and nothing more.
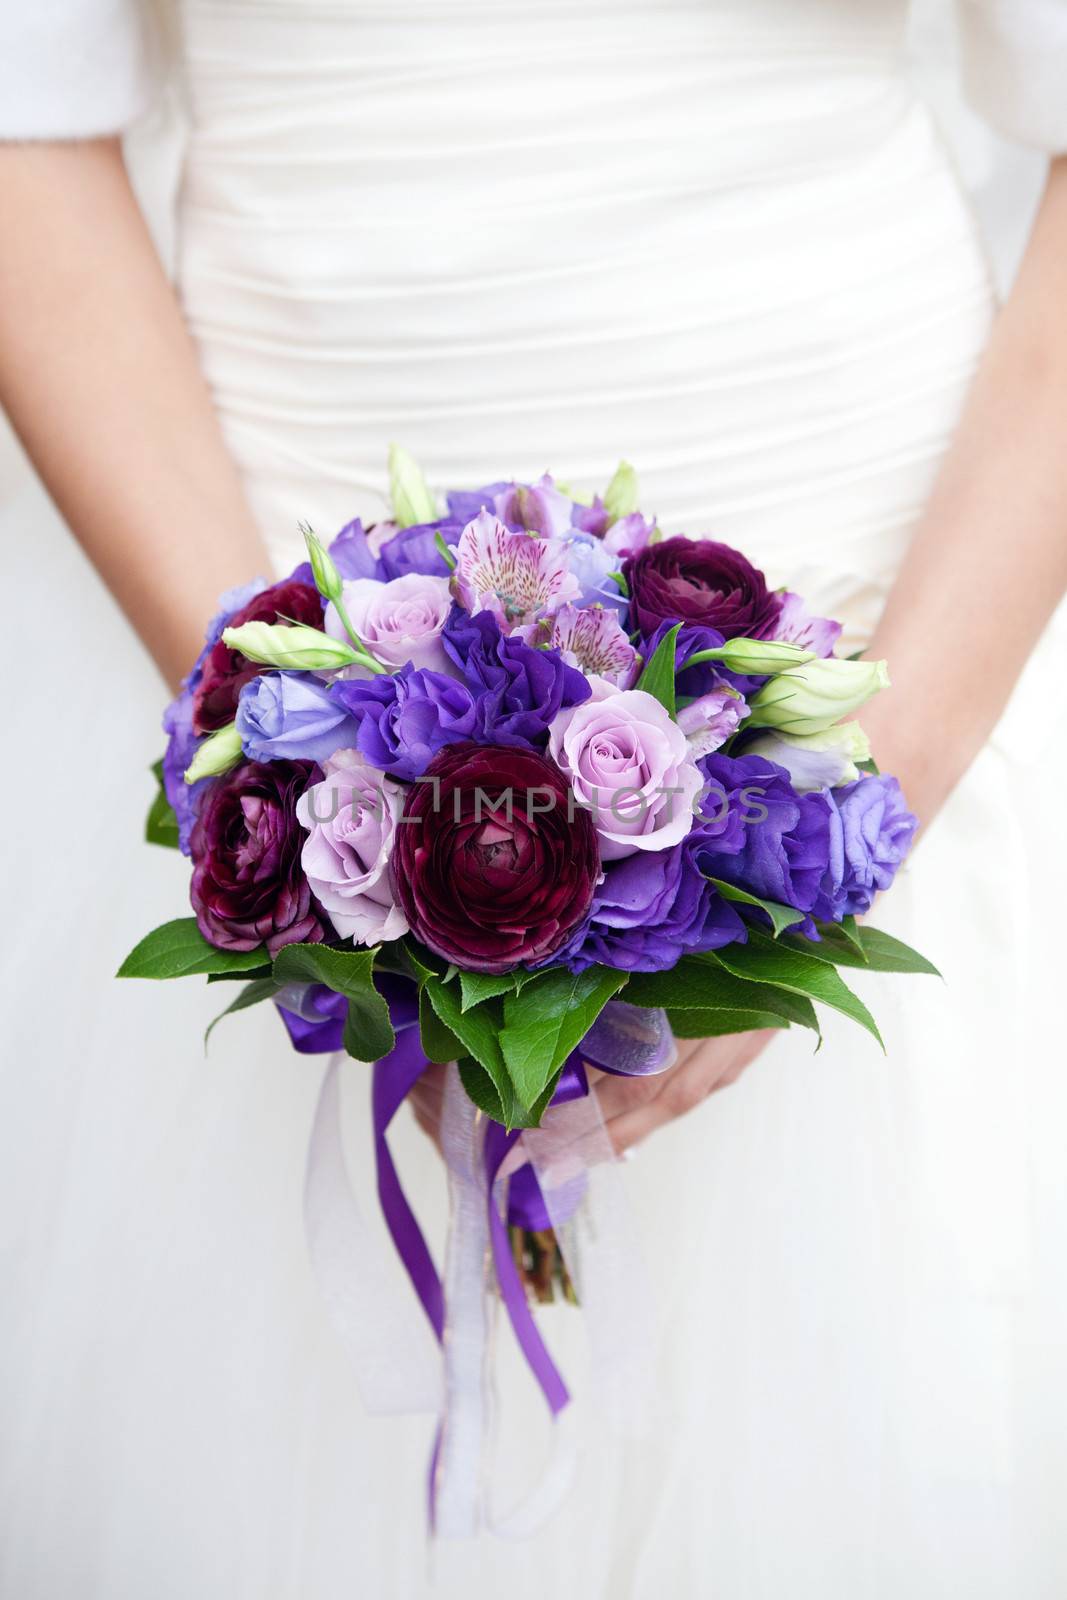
(527, 787)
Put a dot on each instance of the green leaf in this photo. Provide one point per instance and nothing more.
(178, 948)
(445, 550)
(368, 1032)
(869, 766)
(850, 930)
(764, 961)
(782, 917)
(161, 825)
(657, 677)
(699, 983)
(438, 1041)
(479, 986)
(713, 1024)
(265, 971)
(478, 1031)
(259, 989)
(550, 1016)
(481, 1089)
(880, 951)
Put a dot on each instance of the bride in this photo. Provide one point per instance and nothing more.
(724, 240)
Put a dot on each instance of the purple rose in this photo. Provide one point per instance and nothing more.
(871, 831)
(629, 763)
(702, 583)
(351, 818)
(248, 887)
(404, 719)
(398, 621)
(785, 846)
(465, 504)
(518, 690)
(653, 908)
(291, 716)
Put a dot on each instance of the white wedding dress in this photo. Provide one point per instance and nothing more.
(725, 241)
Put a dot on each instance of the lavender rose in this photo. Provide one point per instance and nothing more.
(702, 583)
(248, 887)
(629, 762)
(351, 818)
(397, 621)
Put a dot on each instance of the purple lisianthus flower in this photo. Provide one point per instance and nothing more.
(314, 1017)
(796, 625)
(692, 682)
(415, 549)
(785, 846)
(711, 719)
(626, 536)
(465, 504)
(182, 743)
(182, 739)
(291, 716)
(592, 564)
(518, 690)
(871, 830)
(402, 720)
(651, 909)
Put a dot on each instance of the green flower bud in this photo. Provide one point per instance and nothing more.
(327, 578)
(219, 752)
(622, 493)
(411, 498)
(298, 648)
(757, 658)
(815, 760)
(813, 697)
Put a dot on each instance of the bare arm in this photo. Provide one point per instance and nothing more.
(100, 379)
(984, 572)
(988, 563)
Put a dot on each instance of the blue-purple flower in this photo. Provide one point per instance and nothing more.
(871, 830)
(651, 909)
(785, 845)
(402, 720)
(290, 716)
(518, 690)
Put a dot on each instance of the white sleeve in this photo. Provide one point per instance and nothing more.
(1015, 67)
(72, 69)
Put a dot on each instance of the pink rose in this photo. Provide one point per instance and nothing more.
(630, 763)
(351, 818)
(398, 621)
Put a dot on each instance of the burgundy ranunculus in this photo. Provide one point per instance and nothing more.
(227, 671)
(248, 885)
(488, 888)
(703, 584)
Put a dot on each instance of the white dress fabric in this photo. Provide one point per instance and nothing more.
(725, 241)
